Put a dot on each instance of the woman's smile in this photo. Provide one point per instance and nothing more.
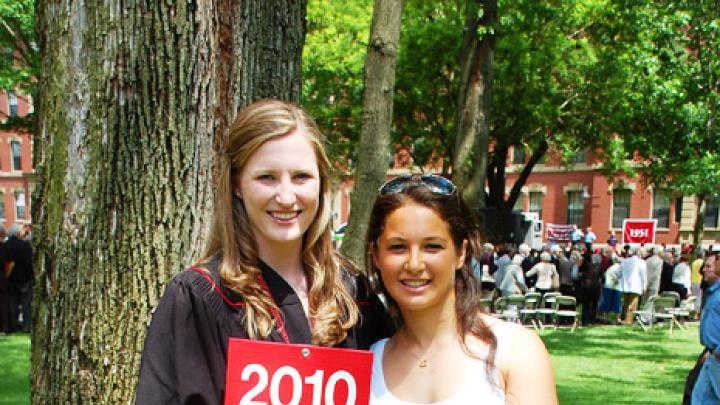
(415, 283)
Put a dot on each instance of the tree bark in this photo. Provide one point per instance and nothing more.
(133, 99)
(470, 158)
(374, 145)
(699, 226)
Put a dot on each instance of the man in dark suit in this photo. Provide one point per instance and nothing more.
(18, 255)
(666, 274)
(4, 306)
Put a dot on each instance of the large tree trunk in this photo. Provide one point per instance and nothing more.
(374, 144)
(134, 98)
(470, 157)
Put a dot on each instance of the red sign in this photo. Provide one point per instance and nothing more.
(288, 374)
(639, 231)
(559, 232)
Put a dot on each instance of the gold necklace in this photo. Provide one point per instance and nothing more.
(421, 362)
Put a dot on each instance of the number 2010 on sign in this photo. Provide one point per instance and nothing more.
(289, 375)
(264, 373)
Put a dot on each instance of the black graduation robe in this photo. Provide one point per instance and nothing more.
(185, 352)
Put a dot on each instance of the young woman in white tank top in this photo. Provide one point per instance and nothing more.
(420, 240)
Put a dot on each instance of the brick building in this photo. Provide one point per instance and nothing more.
(581, 194)
(16, 166)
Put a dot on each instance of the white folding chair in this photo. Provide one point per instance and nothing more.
(565, 307)
(546, 309)
(529, 311)
(644, 317)
(663, 311)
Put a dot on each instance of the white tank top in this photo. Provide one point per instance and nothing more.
(481, 391)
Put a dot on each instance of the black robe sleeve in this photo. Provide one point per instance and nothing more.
(183, 360)
(375, 320)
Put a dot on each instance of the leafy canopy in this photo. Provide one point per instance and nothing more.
(19, 52)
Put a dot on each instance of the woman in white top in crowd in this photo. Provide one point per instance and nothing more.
(514, 280)
(681, 276)
(420, 240)
(548, 278)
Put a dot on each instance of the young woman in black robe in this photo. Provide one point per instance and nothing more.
(269, 272)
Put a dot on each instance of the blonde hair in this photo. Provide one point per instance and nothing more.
(332, 307)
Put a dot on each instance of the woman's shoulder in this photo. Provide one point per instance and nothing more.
(501, 328)
(196, 276)
(514, 341)
(511, 337)
(202, 282)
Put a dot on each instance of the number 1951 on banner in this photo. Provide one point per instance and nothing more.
(260, 373)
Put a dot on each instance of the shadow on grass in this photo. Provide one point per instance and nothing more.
(621, 365)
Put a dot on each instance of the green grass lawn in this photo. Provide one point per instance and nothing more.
(15, 369)
(622, 365)
(597, 365)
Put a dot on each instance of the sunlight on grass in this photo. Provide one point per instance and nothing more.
(15, 369)
(622, 365)
(597, 365)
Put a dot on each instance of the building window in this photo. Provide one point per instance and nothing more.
(712, 212)
(535, 205)
(621, 207)
(575, 209)
(16, 155)
(661, 208)
(580, 156)
(2, 207)
(19, 205)
(518, 156)
(12, 104)
(678, 209)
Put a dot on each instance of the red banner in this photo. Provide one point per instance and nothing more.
(278, 373)
(559, 232)
(639, 231)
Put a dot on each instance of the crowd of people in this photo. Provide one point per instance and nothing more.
(16, 279)
(609, 282)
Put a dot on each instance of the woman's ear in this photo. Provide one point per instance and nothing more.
(237, 193)
(235, 184)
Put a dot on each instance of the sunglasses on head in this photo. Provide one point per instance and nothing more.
(434, 183)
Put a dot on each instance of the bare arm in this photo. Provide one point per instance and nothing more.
(527, 371)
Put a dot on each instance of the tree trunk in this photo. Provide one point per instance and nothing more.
(374, 144)
(133, 99)
(473, 114)
(699, 226)
(499, 227)
(504, 207)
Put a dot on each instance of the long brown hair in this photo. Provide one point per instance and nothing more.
(463, 227)
(333, 308)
